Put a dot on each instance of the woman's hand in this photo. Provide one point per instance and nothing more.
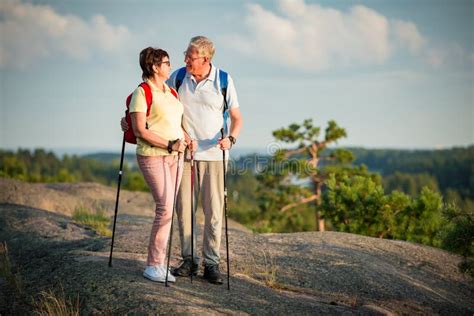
(123, 124)
(179, 146)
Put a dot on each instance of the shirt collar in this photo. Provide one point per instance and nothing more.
(153, 87)
(212, 74)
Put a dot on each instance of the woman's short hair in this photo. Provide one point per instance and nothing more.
(204, 46)
(148, 57)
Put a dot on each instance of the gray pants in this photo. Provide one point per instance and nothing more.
(209, 183)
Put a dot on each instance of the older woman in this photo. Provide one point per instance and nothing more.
(159, 140)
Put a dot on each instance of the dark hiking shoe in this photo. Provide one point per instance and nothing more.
(212, 274)
(185, 269)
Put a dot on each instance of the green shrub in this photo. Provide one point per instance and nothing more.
(458, 235)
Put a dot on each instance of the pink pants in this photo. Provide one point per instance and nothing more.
(160, 174)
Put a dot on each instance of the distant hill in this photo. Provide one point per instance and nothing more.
(452, 168)
(388, 161)
(109, 158)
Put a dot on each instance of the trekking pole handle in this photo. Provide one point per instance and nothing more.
(222, 135)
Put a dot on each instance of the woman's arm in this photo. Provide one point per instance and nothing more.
(139, 129)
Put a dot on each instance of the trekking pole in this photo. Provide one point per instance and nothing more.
(225, 214)
(172, 215)
(192, 214)
(117, 199)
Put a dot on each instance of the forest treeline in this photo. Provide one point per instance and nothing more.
(448, 171)
(40, 165)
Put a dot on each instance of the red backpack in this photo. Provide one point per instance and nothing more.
(129, 134)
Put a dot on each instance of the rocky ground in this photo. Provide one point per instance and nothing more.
(302, 273)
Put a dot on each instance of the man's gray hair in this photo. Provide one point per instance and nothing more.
(204, 46)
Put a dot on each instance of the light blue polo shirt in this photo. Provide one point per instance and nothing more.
(203, 105)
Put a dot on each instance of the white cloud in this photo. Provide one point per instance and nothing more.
(30, 32)
(312, 37)
(408, 35)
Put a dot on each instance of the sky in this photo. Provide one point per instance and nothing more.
(394, 74)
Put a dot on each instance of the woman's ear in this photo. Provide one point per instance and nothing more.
(155, 68)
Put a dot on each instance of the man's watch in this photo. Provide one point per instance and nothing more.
(232, 139)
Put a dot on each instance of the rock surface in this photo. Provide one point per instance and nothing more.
(300, 273)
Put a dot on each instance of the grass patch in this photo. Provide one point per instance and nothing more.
(51, 303)
(264, 269)
(97, 219)
(269, 273)
(12, 280)
(18, 302)
(13, 298)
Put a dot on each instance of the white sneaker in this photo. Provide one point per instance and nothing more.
(171, 277)
(158, 274)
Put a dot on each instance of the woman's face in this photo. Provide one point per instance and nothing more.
(164, 68)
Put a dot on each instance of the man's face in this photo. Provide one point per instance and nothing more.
(195, 64)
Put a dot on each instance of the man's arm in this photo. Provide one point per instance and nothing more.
(235, 122)
(235, 127)
(192, 143)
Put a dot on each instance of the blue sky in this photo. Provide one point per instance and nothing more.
(395, 74)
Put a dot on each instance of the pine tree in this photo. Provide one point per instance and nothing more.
(301, 163)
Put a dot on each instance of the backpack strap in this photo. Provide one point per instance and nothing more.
(180, 77)
(148, 96)
(173, 92)
(224, 83)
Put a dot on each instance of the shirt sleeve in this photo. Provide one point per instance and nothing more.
(138, 102)
(232, 100)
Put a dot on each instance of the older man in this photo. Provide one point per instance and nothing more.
(200, 91)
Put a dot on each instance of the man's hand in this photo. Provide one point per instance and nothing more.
(124, 125)
(225, 143)
(192, 145)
